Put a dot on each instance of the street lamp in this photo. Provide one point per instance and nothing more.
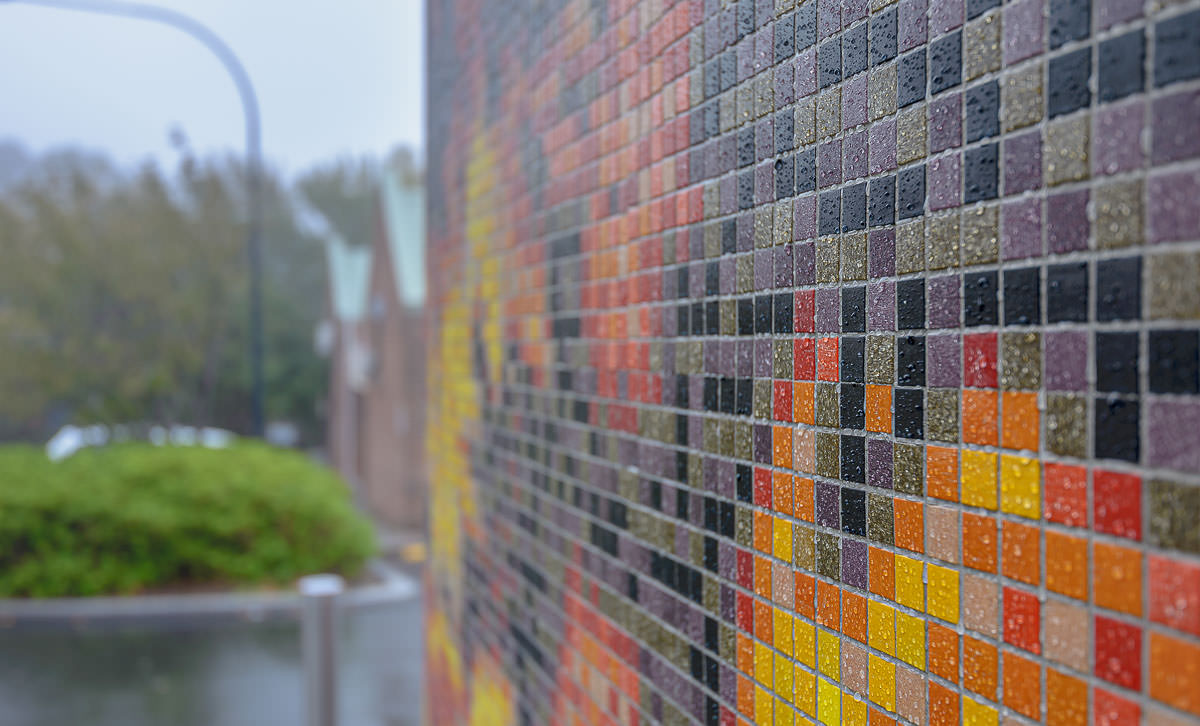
(245, 89)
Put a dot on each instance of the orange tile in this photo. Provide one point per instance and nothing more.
(745, 653)
(745, 696)
(879, 409)
(1021, 420)
(882, 571)
(764, 628)
(1022, 685)
(829, 605)
(764, 531)
(827, 360)
(941, 472)
(943, 705)
(979, 541)
(854, 616)
(981, 667)
(802, 493)
(1175, 672)
(782, 446)
(909, 519)
(762, 576)
(1020, 553)
(942, 656)
(1066, 700)
(1118, 578)
(980, 417)
(878, 718)
(781, 497)
(803, 409)
(806, 586)
(1066, 565)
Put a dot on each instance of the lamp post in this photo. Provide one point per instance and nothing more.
(245, 89)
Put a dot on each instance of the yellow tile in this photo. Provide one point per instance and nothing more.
(806, 644)
(854, 711)
(762, 664)
(977, 714)
(979, 479)
(943, 593)
(783, 540)
(783, 631)
(1020, 486)
(804, 694)
(910, 591)
(783, 674)
(883, 682)
(881, 627)
(829, 701)
(910, 640)
(828, 654)
(784, 715)
(762, 705)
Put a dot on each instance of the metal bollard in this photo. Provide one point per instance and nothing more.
(319, 646)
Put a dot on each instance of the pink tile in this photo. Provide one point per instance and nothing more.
(945, 182)
(854, 101)
(1171, 428)
(945, 123)
(854, 155)
(1021, 224)
(912, 24)
(1067, 222)
(1117, 138)
(1065, 360)
(1171, 211)
(883, 146)
(945, 15)
(1023, 30)
(1022, 162)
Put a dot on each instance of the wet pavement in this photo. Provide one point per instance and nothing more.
(242, 674)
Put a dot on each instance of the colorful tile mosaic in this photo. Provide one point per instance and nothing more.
(806, 361)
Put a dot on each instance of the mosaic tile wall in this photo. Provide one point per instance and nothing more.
(828, 361)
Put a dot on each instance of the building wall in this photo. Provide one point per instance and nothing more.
(814, 361)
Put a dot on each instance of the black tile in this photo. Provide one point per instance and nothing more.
(1119, 289)
(1116, 429)
(745, 146)
(806, 25)
(910, 190)
(728, 519)
(712, 395)
(883, 37)
(712, 78)
(979, 299)
(1117, 362)
(785, 134)
(852, 358)
(1175, 361)
(945, 62)
(745, 19)
(1121, 62)
(1023, 296)
(728, 388)
(854, 50)
(910, 304)
(854, 511)
(745, 316)
(683, 320)
(745, 483)
(712, 120)
(806, 171)
(853, 404)
(829, 213)
(975, 8)
(681, 391)
(829, 62)
(697, 318)
(910, 360)
(910, 81)
(1068, 82)
(854, 309)
(783, 313)
(1067, 293)
(1069, 20)
(712, 318)
(785, 38)
(1177, 48)
(728, 69)
(681, 282)
(744, 405)
(762, 314)
(728, 237)
(712, 278)
(854, 460)
(745, 182)
(983, 111)
(785, 177)
(981, 173)
(854, 208)
(882, 198)
(909, 418)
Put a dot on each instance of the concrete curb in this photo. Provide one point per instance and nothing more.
(193, 610)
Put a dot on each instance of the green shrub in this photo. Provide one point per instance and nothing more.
(134, 516)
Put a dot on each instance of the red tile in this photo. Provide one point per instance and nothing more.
(762, 487)
(1022, 620)
(1112, 710)
(1175, 594)
(783, 400)
(1066, 494)
(804, 359)
(745, 571)
(1117, 503)
(1118, 652)
(806, 308)
(979, 360)
(745, 612)
(827, 359)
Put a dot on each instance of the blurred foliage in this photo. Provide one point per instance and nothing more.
(344, 191)
(133, 516)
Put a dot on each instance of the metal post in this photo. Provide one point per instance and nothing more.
(249, 100)
(319, 646)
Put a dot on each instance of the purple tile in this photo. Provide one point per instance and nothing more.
(762, 441)
(785, 266)
(881, 253)
(764, 48)
(1067, 222)
(696, 280)
(883, 146)
(1023, 30)
(806, 73)
(945, 15)
(829, 311)
(829, 17)
(912, 24)
(745, 232)
(829, 163)
(829, 507)
(854, 102)
(764, 182)
(879, 463)
(745, 360)
(1117, 138)
(762, 358)
(729, 195)
(945, 182)
(785, 84)
(945, 123)
(1173, 135)
(763, 268)
(728, 275)
(852, 11)
(854, 155)
(1022, 162)
(881, 305)
(854, 563)
(1021, 229)
(764, 138)
(1171, 213)
(728, 365)
(1111, 12)
(1171, 439)
(712, 357)
(745, 56)
(944, 301)
(944, 353)
(806, 263)
(804, 220)
(1066, 360)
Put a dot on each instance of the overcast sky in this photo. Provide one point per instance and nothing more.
(332, 76)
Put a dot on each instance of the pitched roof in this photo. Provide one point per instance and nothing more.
(404, 221)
